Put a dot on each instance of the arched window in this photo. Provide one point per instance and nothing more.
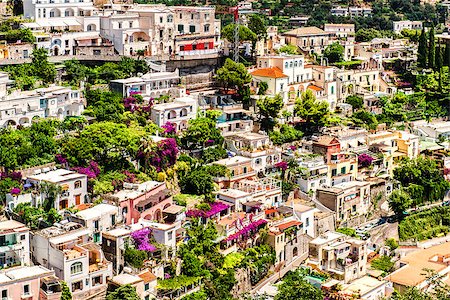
(286, 65)
(76, 268)
(78, 184)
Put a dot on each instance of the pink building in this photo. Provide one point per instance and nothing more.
(29, 283)
(146, 200)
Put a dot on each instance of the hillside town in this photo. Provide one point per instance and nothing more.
(212, 150)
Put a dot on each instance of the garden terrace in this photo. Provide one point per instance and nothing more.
(177, 286)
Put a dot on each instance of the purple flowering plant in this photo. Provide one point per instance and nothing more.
(365, 160)
(141, 240)
(215, 208)
(247, 230)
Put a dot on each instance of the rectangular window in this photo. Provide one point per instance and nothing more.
(333, 172)
(4, 294)
(26, 289)
(307, 222)
(181, 28)
(343, 170)
(147, 286)
(191, 28)
(206, 28)
(170, 235)
(113, 220)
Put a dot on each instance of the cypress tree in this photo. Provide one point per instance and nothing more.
(439, 58)
(447, 54)
(422, 50)
(431, 49)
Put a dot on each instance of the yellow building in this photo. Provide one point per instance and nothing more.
(342, 167)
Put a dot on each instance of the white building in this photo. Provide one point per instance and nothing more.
(150, 85)
(99, 218)
(162, 30)
(179, 112)
(19, 108)
(14, 244)
(66, 249)
(340, 30)
(255, 146)
(305, 214)
(314, 175)
(398, 26)
(72, 184)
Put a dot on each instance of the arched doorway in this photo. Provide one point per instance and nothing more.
(294, 252)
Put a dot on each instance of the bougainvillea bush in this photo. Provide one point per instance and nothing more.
(215, 208)
(365, 160)
(169, 128)
(164, 154)
(92, 171)
(282, 165)
(16, 176)
(141, 240)
(247, 230)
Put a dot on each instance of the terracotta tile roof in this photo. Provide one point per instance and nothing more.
(147, 276)
(270, 211)
(412, 274)
(285, 226)
(302, 31)
(315, 88)
(83, 206)
(272, 72)
(326, 140)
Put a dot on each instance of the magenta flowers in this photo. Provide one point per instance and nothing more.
(365, 160)
(247, 230)
(164, 154)
(216, 208)
(169, 128)
(15, 191)
(282, 165)
(141, 240)
(92, 171)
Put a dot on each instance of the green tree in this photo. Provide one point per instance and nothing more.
(257, 25)
(355, 101)
(135, 257)
(269, 107)
(399, 201)
(366, 35)
(422, 56)
(41, 67)
(334, 52)
(365, 118)
(65, 292)
(233, 75)
(289, 49)
(262, 88)
(383, 263)
(124, 292)
(431, 49)
(104, 105)
(309, 109)
(347, 231)
(295, 286)
(447, 55)
(245, 34)
(200, 131)
(391, 243)
(197, 182)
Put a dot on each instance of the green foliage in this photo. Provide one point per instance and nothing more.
(366, 35)
(365, 119)
(107, 143)
(262, 88)
(124, 292)
(425, 224)
(399, 201)
(295, 286)
(176, 283)
(41, 67)
(199, 295)
(422, 56)
(135, 257)
(212, 154)
(31, 215)
(104, 105)
(412, 293)
(423, 172)
(245, 34)
(313, 112)
(334, 52)
(23, 34)
(65, 292)
(355, 101)
(200, 180)
(391, 243)
(269, 107)
(383, 263)
(431, 49)
(289, 49)
(232, 74)
(199, 131)
(285, 134)
(257, 25)
(347, 231)
(233, 260)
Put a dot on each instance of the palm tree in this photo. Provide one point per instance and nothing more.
(51, 192)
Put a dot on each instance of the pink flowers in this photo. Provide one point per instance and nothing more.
(282, 165)
(92, 171)
(60, 159)
(365, 160)
(15, 191)
(247, 230)
(169, 128)
(141, 240)
(16, 176)
(216, 208)
(164, 155)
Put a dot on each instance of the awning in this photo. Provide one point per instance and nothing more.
(30, 25)
(71, 22)
(57, 23)
(44, 23)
